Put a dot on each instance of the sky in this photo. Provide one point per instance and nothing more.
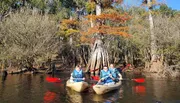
(174, 4)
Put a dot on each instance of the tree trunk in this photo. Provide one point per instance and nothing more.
(24, 3)
(153, 41)
(91, 21)
(1, 17)
(70, 41)
(153, 38)
(34, 11)
(84, 56)
(98, 8)
(99, 57)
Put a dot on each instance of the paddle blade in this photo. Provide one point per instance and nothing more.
(51, 79)
(139, 80)
(95, 77)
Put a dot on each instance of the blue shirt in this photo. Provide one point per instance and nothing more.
(77, 74)
(114, 72)
(105, 75)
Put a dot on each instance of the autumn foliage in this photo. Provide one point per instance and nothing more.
(113, 17)
(104, 24)
(107, 24)
(103, 29)
(68, 27)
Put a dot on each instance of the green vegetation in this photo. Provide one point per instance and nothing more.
(34, 31)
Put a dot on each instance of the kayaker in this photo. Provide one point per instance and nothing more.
(77, 75)
(115, 73)
(105, 76)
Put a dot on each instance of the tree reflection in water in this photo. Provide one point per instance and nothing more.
(110, 97)
(74, 96)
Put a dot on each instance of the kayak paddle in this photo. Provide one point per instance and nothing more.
(77, 78)
(94, 70)
(138, 80)
(95, 77)
(52, 79)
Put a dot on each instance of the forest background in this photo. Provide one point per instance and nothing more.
(35, 33)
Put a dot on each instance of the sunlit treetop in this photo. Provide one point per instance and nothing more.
(108, 24)
(107, 30)
(90, 7)
(117, 1)
(69, 22)
(146, 1)
(68, 27)
(150, 4)
(106, 3)
(113, 17)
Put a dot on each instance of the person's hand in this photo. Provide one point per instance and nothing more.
(83, 78)
(120, 78)
(113, 78)
(99, 81)
(71, 78)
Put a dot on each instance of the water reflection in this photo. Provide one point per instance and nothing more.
(2, 86)
(74, 96)
(139, 89)
(161, 88)
(35, 89)
(4, 75)
(97, 98)
(118, 94)
(110, 97)
(4, 79)
(49, 97)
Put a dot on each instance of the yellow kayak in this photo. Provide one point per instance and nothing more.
(102, 89)
(77, 86)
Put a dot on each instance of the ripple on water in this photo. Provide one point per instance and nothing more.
(35, 89)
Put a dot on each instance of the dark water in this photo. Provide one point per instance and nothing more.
(35, 89)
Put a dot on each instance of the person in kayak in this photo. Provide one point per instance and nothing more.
(77, 75)
(105, 76)
(115, 73)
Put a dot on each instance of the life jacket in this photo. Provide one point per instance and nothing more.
(106, 77)
(77, 74)
(114, 72)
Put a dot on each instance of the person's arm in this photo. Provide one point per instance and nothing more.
(100, 74)
(110, 75)
(83, 75)
(101, 77)
(119, 74)
(71, 76)
(107, 76)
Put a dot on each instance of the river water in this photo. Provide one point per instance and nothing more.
(33, 88)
